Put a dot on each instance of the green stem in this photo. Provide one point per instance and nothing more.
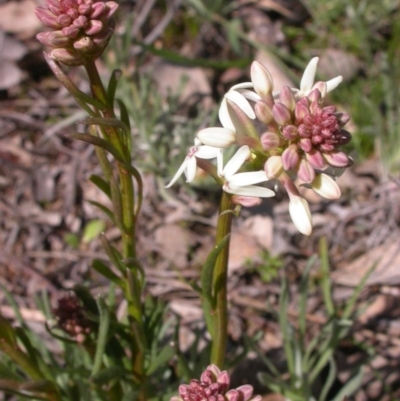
(128, 233)
(220, 318)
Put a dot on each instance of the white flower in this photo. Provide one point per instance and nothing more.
(307, 80)
(300, 214)
(217, 137)
(189, 165)
(242, 183)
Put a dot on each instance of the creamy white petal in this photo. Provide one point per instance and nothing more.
(250, 95)
(326, 186)
(300, 214)
(248, 178)
(224, 116)
(333, 83)
(206, 152)
(220, 163)
(180, 171)
(250, 190)
(191, 169)
(217, 137)
(236, 162)
(237, 98)
(307, 80)
(243, 85)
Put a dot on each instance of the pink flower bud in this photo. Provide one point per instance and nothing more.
(93, 27)
(273, 167)
(337, 159)
(316, 160)
(305, 144)
(290, 132)
(322, 89)
(233, 395)
(112, 7)
(305, 171)
(85, 44)
(81, 21)
(70, 31)
(270, 140)
(97, 10)
(246, 201)
(84, 9)
(301, 111)
(263, 112)
(286, 97)
(246, 390)
(281, 114)
(343, 137)
(66, 56)
(47, 17)
(290, 157)
(343, 118)
(64, 20)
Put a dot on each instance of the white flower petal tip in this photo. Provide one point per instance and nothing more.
(217, 137)
(326, 187)
(180, 171)
(248, 190)
(333, 83)
(307, 79)
(233, 165)
(237, 98)
(300, 214)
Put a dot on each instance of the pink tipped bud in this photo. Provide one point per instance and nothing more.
(273, 167)
(305, 171)
(64, 20)
(97, 10)
(262, 80)
(306, 144)
(93, 27)
(263, 112)
(66, 56)
(85, 44)
(246, 201)
(84, 9)
(301, 111)
(70, 31)
(286, 97)
(281, 114)
(316, 160)
(290, 157)
(321, 87)
(343, 118)
(337, 159)
(47, 17)
(81, 21)
(270, 140)
(112, 7)
(246, 390)
(233, 395)
(290, 132)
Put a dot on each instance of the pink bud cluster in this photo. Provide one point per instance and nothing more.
(80, 29)
(214, 386)
(306, 135)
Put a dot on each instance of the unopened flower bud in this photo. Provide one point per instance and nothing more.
(273, 167)
(263, 112)
(322, 89)
(270, 140)
(281, 114)
(246, 201)
(286, 97)
(290, 132)
(301, 111)
(300, 214)
(326, 187)
(337, 159)
(316, 160)
(217, 137)
(290, 157)
(305, 171)
(262, 80)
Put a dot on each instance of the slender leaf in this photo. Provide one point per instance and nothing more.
(101, 184)
(329, 380)
(104, 327)
(112, 85)
(105, 271)
(351, 386)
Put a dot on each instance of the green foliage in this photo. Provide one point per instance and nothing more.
(306, 359)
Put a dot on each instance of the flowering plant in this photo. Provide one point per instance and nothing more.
(114, 355)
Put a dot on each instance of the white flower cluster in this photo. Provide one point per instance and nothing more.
(241, 104)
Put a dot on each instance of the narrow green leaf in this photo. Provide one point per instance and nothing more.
(351, 386)
(112, 85)
(92, 230)
(100, 142)
(108, 374)
(113, 254)
(105, 271)
(162, 358)
(7, 332)
(329, 380)
(325, 280)
(101, 336)
(117, 202)
(39, 389)
(105, 210)
(101, 184)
